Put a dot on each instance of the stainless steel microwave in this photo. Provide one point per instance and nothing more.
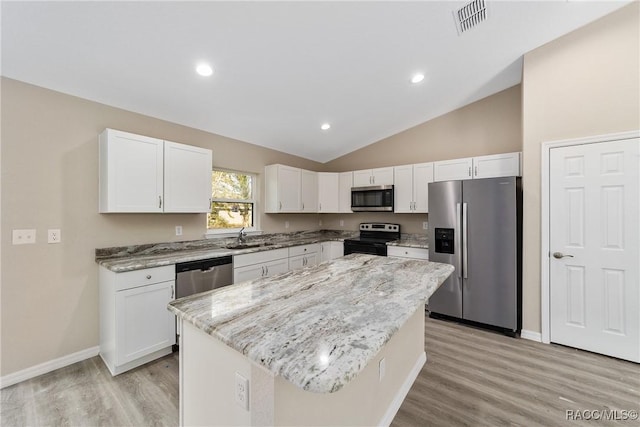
(375, 198)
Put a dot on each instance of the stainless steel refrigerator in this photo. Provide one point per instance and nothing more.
(476, 225)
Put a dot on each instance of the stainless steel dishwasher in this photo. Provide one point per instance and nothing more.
(204, 275)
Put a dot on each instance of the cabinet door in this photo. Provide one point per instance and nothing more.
(362, 178)
(296, 262)
(344, 199)
(289, 179)
(276, 267)
(403, 189)
(328, 192)
(249, 272)
(382, 176)
(143, 323)
(422, 176)
(498, 165)
(450, 170)
(312, 259)
(309, 191)
(131, 172)
(325, 251)
(187, 178)
(337, 249)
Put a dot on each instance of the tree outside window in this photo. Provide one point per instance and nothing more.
(232, 205)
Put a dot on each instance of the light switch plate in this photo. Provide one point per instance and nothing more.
(425, 225)
(178, 230)
(54, 236)
(23, 236)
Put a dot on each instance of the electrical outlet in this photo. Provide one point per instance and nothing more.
(382, 366)
(54, 236)
(178, 230)
(320, 223)
(24, 237)
(242, 391)
(342, 223)
(286, 224)
(425, 225)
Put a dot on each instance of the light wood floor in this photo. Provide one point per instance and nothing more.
(472, 378)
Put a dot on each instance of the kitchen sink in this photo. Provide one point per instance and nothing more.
(248, 245)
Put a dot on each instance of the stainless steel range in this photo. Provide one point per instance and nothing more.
(373, 239)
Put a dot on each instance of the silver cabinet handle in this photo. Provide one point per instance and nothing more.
(302, 205)
(148, 276)
(263, 271)
(319, 206)
(172, 292)
(469, 170)
(159, 201)
(280, 208)
(476, 171)
(465, 243)
(267, 268)
(560, 255)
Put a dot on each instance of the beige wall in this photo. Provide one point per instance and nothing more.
(50, 180)
(585, 83)
(492, 125)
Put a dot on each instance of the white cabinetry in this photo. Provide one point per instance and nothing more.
(309, 191)
(380, 176)
(331, 250)
(260, 264)
(303, 256)
(282, 188)
(411, 184)
(144, 174)
(407, 252)
(329, 192)
(345, 184)
(493, 166)
(135, 325)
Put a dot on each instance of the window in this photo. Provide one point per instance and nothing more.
(232, 203)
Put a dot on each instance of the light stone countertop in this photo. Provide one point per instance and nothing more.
(137, 257)
(319, 326)
(411, 241)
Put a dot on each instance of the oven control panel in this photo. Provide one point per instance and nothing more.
(378, 226)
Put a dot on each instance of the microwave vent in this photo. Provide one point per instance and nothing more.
(470, 15)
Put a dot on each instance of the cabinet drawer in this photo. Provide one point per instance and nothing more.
(258, 257)
(406, 252)
(303, 249)
(147, 276)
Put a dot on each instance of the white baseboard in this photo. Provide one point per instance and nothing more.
(392, 410)
(531, 335)
(49, 366)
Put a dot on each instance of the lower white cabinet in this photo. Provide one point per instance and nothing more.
(331, 250)
(303, 256)
(260, 264)
(135, 325)
(408, 252)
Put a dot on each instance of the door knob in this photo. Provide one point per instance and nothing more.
(560, 255)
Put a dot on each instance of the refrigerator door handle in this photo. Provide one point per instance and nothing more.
(465, 230)
(458, 250)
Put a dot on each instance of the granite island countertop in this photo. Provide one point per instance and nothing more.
(411, 241)
(137, 257)
(319, 326)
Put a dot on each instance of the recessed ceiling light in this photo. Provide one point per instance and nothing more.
(204, 70)
(417, 78)
(325, 126)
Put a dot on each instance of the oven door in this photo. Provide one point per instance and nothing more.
(358, 247)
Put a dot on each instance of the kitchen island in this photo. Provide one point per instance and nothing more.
(333, 344)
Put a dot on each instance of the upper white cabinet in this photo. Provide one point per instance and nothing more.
(344, 197)
(507, 164)
(329, 192)
(144, 174)
(492, 166)
(309, 191)
(411, 187)
(380, 176)
(187, 178)
(282, 188)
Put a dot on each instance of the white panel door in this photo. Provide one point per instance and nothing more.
(329, 192)
(289, 181)
(453, 170)
(507, 164)
(248, 272)
(309, 191)
(594, 234)
(362, 178)
(382, 176)
(143, 323)
(187, 178)
(278, 266)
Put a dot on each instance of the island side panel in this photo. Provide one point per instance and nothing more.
(365, 400)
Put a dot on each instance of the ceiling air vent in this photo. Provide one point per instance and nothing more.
(470, 15)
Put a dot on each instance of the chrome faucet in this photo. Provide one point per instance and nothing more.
(242, 236)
